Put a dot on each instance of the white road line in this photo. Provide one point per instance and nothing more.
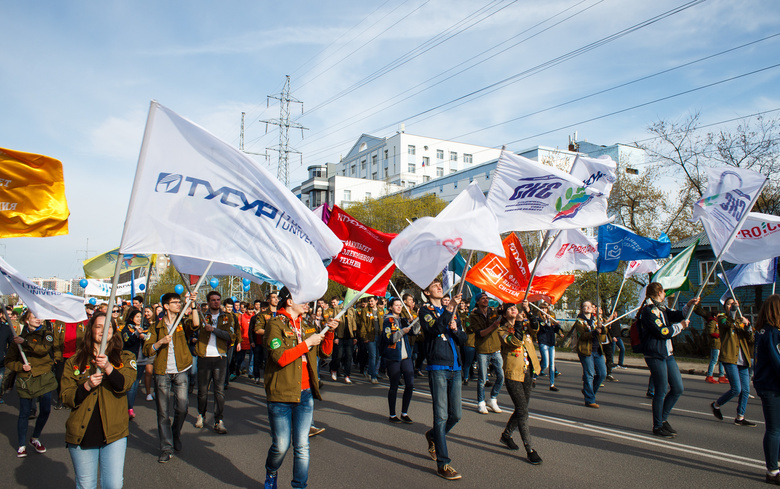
(692, 412)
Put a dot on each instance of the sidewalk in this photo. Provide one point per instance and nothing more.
(638, 362)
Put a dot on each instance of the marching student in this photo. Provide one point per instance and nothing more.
(766, 379)
(483, 323)
(291, 385)
(396, 350)
(594, 369)
(549, 328)
(133, 336)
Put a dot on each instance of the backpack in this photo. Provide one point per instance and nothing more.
(635, 333)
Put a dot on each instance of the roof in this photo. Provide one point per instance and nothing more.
(684, 243)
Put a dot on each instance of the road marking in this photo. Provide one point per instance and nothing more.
(689, 411)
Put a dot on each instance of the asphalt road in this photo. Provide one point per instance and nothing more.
(581, 447)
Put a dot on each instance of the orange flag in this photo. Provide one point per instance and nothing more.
(32, 196)
(507, 278)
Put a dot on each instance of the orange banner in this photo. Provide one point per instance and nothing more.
(507, 278)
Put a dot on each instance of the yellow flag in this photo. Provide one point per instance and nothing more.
(32, 196)
(104, 265)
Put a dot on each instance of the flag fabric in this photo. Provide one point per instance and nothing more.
(351, 293)
(104, 264)
(729, 196)
(323, 212)
(195, 268)
(598, 173)
(758, 239)
(507, 277)
(526, 196)
(674, 274)
(457, 267)
(425, 246)
(617, 244)
(635, 267)
(570, 250)
(745, 275)
(32, 196)
(363, 256)
(98, 288)
(196, 196)
(44, 303)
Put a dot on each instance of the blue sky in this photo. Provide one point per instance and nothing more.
(76, 79)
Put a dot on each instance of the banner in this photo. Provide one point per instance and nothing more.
(99, 288)
(745, 275)
(194, 268)
(425, 246)
(196, 196)
(44, 303)
(758, 239)
(363, 256)
(635, 267)
(507, 277)
(570, 250)
(599, 173)
(674, 274)
(104, 265)
(527, 196)
(617, 244)
(32, 196)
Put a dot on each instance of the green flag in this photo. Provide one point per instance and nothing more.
(352, 293)
(674, 274)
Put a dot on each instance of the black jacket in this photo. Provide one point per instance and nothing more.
(438, 336)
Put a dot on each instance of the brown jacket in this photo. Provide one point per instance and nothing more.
(477, 322)
(58, 331)
(735, 336)
(112, 405)
(585, 338)
(517, 352)
(38, 347)
(180, 348)
(225, 333)
(367, 330)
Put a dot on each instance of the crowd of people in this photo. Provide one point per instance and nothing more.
(96, 367)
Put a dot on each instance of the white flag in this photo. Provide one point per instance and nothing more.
(729, 196)
(193, 266)
(758, 239)
(599, 173)
(44, 303)
(641, 266)
(423, 249)
(196, 196)
(570, 250)
(526, 196)
(759, 273)
(100, 288)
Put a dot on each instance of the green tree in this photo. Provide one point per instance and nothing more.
(389, 214)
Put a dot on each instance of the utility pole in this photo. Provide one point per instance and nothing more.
(284, 123)
(86, 251)
(241, 140)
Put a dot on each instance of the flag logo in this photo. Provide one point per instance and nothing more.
(576, 200)
(495, 270)
(170, 181)
(453, 245)
(613, 251)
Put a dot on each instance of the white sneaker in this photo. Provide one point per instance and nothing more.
(149, 397)
(199, 422)
(347, 381)
(493, 403)
(482, 408)
(334, 376)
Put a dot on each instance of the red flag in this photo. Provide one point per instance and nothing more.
(507, 278)
(194, 279)
(363, 256)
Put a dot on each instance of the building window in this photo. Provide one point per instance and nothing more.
(426, 161)
(386, 174)
(362, 165)
(468, 159)
(373, 176)
(386, 153)
(426, 178)
(354, 169)
(373, 160)
(704, 269)
(439, 154)
(453, 156)
(411, 167)
(412, 149)
(455, 185)
(439, 171)
(347, 195)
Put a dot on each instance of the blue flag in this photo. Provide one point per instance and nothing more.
(617, 243)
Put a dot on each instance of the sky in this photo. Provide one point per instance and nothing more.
(76, 80)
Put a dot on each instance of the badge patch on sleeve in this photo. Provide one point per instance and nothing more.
(49, 338)
(133, 365)
(658, 322)
(276, 343)
(665, 331)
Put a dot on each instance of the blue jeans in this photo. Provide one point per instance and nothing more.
(619, 344)
(662, 373)
(483, 360)
(739, 381)
(594, 371)
(714, 354)
(468, 353)
(170, 391)
(290, 421)
(770, 402)
(109, 459)
(548, 361)
(25, 408)
(372, 358)
(445, 393)
(134, 388)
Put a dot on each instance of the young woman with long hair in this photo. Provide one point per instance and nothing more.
(766, 379)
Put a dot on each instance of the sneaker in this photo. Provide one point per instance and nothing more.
(554, 389)
(270, 480)
(669, 428)
(431, 445)
(419, 374)
(592, 405)
(38, 446)
(314, 431)
(33, 414)
(347, 381)
(710, 379)
(406, 419)
(534, 457)
(542, 374)
(509, 442)
(662, 432)
(723, 380)
(773, 478)
(394, 419)
(465, 382)
(199, 421)
(611, 378)
(57, 405)
(488, 384)
(447, 472)
(744, 422)
(649, 394)
(150, 398)
(233, 377)
(219, 427)
(493, 403)
(557, 374)
(165, 457)
(22, 452)
(334, 376)
(374, 381)
(482, 408)
(131, 413)
(716, 411)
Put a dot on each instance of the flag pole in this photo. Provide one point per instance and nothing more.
(727, 245)
(465, 271)
(111, 301)
(414, 322)
(13, 332)
(598, 300)
(540, 310)
(731, 290)
(360, 294)
(189, 299)
(542, 252)
(614, 306)
(148, 283)
(621, 317)
(774, 278)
